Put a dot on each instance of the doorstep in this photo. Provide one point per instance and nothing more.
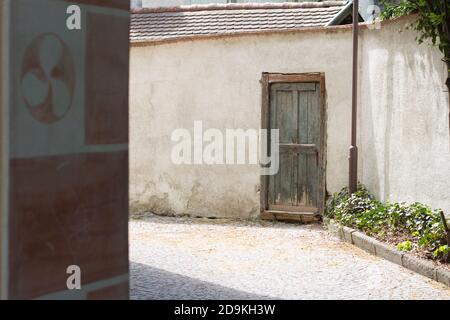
(380, 249)
(290, 216)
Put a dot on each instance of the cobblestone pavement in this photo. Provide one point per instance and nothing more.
(182, 258)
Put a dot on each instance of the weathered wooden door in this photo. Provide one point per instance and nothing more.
(295, 110)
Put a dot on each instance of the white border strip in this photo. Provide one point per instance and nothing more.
(4, 188)
(86, 289)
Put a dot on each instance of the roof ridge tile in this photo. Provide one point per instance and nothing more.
(240, 6)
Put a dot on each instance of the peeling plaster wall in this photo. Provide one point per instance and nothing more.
(403, 136)
(217, 81)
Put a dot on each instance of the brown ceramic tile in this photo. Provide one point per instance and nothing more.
(118, 292)
(67, 210)
(106, 80)
(190, 21)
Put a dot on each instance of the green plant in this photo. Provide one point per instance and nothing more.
(359, 210)
(404, 246)
(441, 251)
(417, 222)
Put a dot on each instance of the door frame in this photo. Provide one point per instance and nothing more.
(266, 81)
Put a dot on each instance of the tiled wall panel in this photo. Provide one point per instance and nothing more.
(68, 150)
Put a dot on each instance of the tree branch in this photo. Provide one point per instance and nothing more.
(446, 23)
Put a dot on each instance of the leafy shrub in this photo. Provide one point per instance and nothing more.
(415, 221)
(359, 210)
(404, 246)
(442, 251)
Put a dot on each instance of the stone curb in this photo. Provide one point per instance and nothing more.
(382, 250)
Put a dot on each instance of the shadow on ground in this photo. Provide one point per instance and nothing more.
(237, 223)
(148, 283)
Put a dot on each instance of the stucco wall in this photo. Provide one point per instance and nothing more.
(161, 3)
(403, 137)
(404, 130)
(217, 81)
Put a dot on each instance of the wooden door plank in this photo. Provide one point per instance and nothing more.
(295, 110)
(313, 138)
(301, 83)
(303, 137)
(283, 118)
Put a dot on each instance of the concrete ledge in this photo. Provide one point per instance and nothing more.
(443, 276)
(334, 228)
(364, 242)
(382, 250)
(425, 268)
(386, 252)
(348, 234)
(343, 233)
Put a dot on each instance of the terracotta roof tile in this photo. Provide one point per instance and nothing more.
(154, 24)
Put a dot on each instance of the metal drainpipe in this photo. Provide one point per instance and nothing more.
(353, 151)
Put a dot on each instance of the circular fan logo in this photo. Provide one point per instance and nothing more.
(48, 78)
